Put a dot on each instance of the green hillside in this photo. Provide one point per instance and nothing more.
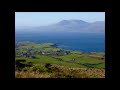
(40, 54)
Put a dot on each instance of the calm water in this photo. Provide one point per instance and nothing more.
(69, 41)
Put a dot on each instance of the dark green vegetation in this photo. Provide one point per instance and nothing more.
(48, 60)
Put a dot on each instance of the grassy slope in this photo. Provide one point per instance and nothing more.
(83, 58)
(47, 59)
(80, 57)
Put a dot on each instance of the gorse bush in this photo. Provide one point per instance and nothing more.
(49, 68)
(48, 65)
(19, 64)
(22, 64)
(29, 64)
(38, 68)
(26, 69)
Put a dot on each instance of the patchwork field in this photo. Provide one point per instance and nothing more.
(32, 55)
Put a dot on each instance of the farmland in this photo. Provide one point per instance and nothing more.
(63, 62)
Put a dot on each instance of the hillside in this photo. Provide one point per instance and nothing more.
(31, 55)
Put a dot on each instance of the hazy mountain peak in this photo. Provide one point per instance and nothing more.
(72, 26)
(63, 22)
(72, 22)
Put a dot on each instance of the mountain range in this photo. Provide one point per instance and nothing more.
(68, 26)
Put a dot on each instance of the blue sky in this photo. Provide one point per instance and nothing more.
(46, 18)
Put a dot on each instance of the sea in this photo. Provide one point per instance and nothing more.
(85, 42)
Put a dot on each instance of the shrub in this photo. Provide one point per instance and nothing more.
(26, 69)
(29, 64)
(19, 64)
(48, 65)
(38, 68)
(50, 68)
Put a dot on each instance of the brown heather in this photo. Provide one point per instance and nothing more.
(63, 72)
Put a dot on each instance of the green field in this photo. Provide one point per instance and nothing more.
(82, 58)
(40, 54)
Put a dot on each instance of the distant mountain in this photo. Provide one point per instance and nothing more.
(69, 26)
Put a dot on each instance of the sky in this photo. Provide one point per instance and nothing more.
(35, 19)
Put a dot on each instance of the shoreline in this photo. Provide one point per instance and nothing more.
(57, 46)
